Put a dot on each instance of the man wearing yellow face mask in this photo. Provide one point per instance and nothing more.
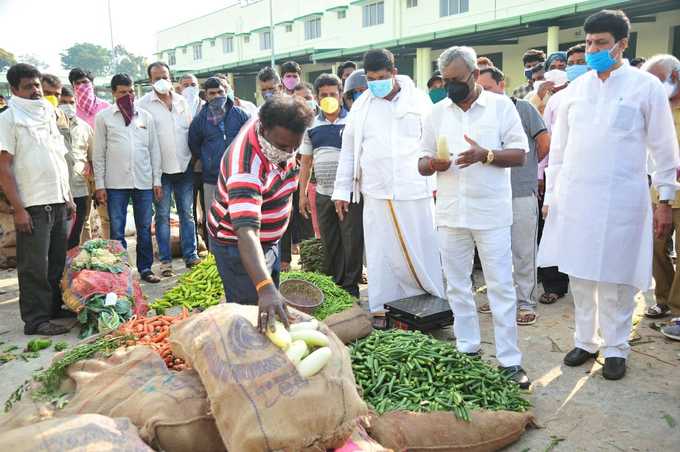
(343, 237)
(51, 86)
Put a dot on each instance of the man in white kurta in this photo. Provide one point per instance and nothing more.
(485, 137)
(379, 160)
(599, 223)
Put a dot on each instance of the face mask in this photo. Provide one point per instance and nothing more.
(290, 82)
(52, 100)
(274, 154)
(126, 105)
(329, 105)
(437, 94)
(190, 93)
(68, 110)
(230, 94)
(355, 95)
(528, 73)
(381, 88)
(267, 95)
(671, 88)
(217, 109)
(458, 91)
(575, 71)
(162, 86)
(601, 61)
(311, 104)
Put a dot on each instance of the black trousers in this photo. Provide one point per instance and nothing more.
(299, 229)
(343, 242)
(202, 227)
(41, 256)
(553, 280)
(81, 216)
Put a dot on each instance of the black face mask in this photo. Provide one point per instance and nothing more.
(458, 91)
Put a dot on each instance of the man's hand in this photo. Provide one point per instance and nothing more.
(663, 220)
(544, 211)
(440, 165)
(546, 87)
(70, 208)
(23, 221)
(305, 207)
(271, 304)
(88, 172)
(541, 188)
(158, 193)
(100, 195)
(475, 154)
(341, 207)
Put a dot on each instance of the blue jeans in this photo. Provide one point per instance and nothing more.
(238, 287)
(182, 186)
(142, 206)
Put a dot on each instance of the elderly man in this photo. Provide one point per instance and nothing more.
(257, 178)
(667, 69)
(188, 87)
(34, 177)
(172, 116)
(379, 161)
(470, 141)
(599, 218)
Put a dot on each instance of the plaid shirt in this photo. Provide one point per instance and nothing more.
(522, 91)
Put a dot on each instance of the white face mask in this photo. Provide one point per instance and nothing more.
(68, 109)
(162, 86)
(671, 88)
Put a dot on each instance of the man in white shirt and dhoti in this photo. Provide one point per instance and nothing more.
(481, 133)
(599, 218)
(379, 160)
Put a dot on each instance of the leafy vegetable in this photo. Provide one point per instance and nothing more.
(60, 346)
(312, 255)
(35, 345)
(336, 299)
(96, 317)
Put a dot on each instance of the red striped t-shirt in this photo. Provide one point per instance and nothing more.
(251, 191)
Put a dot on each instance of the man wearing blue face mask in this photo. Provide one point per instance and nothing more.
(598, 215)
(530, 59)
(379, 161)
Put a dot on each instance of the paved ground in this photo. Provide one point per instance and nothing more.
(577, 408)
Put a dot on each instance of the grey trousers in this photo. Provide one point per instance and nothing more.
(524, 232)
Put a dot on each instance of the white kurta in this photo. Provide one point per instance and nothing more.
(599, 225)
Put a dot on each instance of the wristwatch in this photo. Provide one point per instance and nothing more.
(665, 201)
(489, 158)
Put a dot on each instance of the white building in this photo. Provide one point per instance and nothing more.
(319, 34)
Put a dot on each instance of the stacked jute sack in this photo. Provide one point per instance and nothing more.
(8, 235)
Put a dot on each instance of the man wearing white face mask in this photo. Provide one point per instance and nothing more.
(189, 89)
(78, 136)
(172, 118)
(667, 289)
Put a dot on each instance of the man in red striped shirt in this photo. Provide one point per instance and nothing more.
(252, 205)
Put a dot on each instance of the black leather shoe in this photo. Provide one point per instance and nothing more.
(46, 329)
(614, 368)
(518, 375)
(578, 356)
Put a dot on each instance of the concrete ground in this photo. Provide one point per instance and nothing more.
(577, 409)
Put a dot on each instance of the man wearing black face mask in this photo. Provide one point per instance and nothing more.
(470, 141)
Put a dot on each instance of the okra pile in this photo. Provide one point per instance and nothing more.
(405, 370)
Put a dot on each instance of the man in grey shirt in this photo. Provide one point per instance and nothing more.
(524, 183)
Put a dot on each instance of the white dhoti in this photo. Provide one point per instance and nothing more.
(605, 306)
(401, 250)
(457, 247)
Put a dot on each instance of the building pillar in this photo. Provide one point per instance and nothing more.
(423, 69)
(553, 38)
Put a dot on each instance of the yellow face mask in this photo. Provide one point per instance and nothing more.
(329, 105)
(53, 100)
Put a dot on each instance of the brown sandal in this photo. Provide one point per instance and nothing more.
(526, 317)
(549, 298)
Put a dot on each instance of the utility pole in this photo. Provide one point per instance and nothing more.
(271, 33)
(113, 49)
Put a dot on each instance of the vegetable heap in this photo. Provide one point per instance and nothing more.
(50, 379)
(98, 317)
(336, 299)
(154, 332)
(404, 370)
(303, 338)
(95, 255)
(199, 288)
(312, 255)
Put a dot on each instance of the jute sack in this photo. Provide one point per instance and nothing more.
(442, 431)
(169, 408)
(26, 412)
(351, 324)
(260, 401)
(86, 433)
(360, 441)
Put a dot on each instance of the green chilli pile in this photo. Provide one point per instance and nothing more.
(335, 298)
(199, 288)
(405, 370)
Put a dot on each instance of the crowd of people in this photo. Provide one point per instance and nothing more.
(414, 183)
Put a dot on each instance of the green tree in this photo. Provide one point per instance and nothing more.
(33, 61)
(129, 63)
(6, 59)
(88, 56)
